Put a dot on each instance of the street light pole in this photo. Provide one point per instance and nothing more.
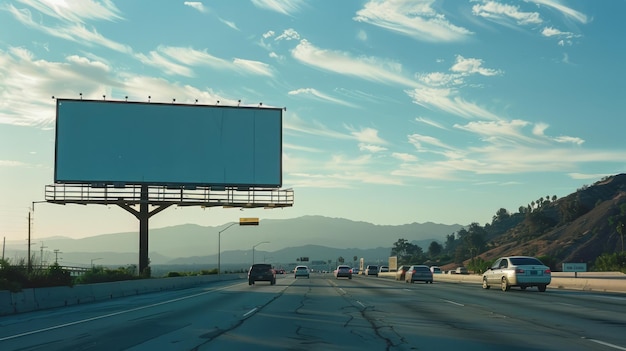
(94, 259)
(262, 242)
(219, 250)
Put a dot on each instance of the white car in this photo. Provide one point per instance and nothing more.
(522, 271)
(301, 271)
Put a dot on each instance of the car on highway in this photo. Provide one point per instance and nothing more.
(418, 273)
(261, 272)
(383, 269)
(355, 270)
(400, 273)
(343, 271)
(371, 270)
(301, 271)
(519, 271)
(461, 270)
(435, 269)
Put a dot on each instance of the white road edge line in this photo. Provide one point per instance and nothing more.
(607, 344)
(107, 315)
(251, 312)
(454, 303)
(360, 303)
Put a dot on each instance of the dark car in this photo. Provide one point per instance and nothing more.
(343, 271)
(400, 273)
(261, 272)
(418, 273)
(371, 270)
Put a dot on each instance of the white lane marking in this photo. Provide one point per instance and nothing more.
(454, 303)
(249, 313)
(608, 344)
(360, 303)
(108, 315)
(343, 291)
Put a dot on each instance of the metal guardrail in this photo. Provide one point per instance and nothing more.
(160, 195)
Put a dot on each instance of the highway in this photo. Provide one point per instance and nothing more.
(324, 313)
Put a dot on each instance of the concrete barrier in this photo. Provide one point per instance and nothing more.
(44, 298)
(588, 281)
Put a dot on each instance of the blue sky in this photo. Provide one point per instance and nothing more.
(397, 111)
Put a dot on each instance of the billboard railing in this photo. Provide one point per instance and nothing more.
(160, 195)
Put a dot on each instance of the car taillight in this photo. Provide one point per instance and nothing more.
(547, 271)
(519, 270)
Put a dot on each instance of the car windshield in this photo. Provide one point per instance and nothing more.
(525, 261)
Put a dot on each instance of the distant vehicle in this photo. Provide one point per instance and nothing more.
(418, 273)
(435, 270)
(261, 272)
(461, 270)
(280, 271)
(522, 271)
(400, 273)
(382, 269)
(343, 271)
(301, 271)
(355, 270)
(371, 270)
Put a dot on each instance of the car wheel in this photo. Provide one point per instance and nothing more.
(505, 284)
(273, 282)
(250, 282)
(485, 285)
(523, 287)
(541, 288)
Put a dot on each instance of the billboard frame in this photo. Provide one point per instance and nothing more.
(112, 142)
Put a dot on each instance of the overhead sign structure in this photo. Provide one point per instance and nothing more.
(128, 143)
(248, 221)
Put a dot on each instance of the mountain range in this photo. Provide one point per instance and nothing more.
(317, 237)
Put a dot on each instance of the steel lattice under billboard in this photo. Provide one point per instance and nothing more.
(124, 143)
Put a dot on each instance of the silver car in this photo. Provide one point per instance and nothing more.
(522, 271)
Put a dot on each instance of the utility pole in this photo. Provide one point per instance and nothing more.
(56, 256)
(41, 255)
(30, 265)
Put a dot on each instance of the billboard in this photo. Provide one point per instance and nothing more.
(118, 143)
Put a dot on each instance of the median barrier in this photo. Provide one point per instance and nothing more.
(588, 281)
(44, 298)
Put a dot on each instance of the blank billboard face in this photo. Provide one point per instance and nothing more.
(102, 142)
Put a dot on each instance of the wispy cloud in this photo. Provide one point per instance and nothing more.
(72, 31)
(429, 122)
(196, 5)
(469, 66)
(416, 19)
(503, 13)
(286, 7)
(176, 61)
(448, 101)
(567, 11)
(368, 68)
(315, 94)
(76, 10)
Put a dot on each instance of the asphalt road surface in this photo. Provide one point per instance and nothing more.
(324, 313)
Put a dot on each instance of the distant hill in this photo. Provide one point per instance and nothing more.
(575, 228)
(189, 242)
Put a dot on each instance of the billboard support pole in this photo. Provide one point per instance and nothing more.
(143, 215)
